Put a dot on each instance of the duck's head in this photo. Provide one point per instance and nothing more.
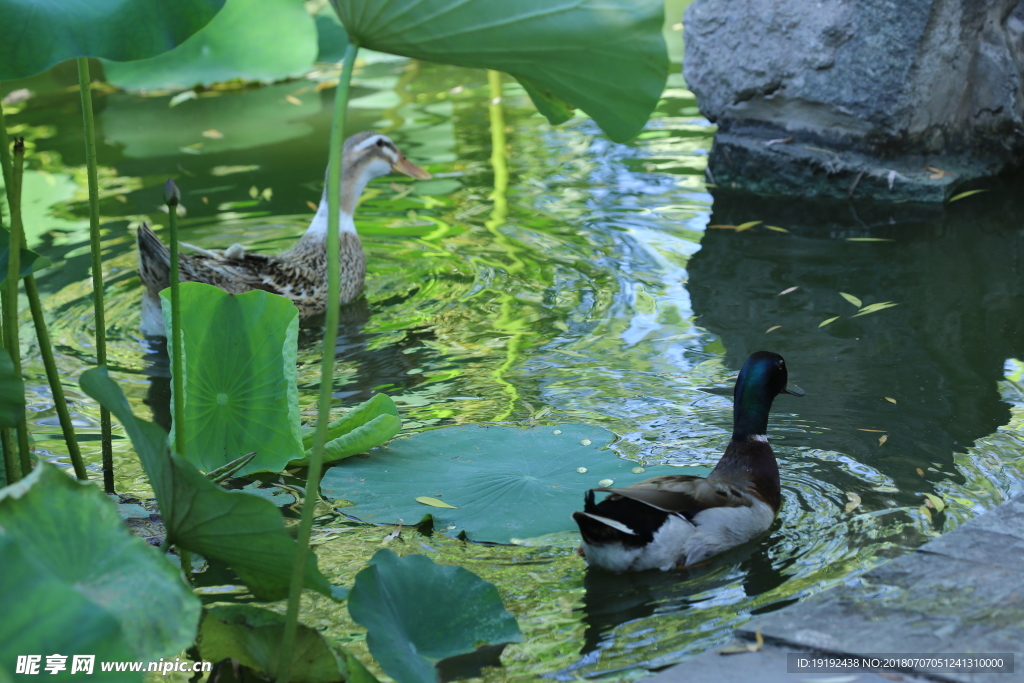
(763, 377)
(373, 154)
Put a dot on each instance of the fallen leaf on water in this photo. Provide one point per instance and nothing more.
(882, 439)
(936, 173)
(926, 512)
(182, 97)
(934, 501)
(293, 100)
(324, 85)
(739, 647)
(206, 200)
(215, 134)
(772, 328)
(874, 308)
(962, 195)
(851, 298)
(723, 227)
(880, 431)
(747, 226)
(854, 502)
(267, 193)
(920, 471)
(868, 239)
(776, 228)
(890, 400)
(787, 291)
(829, 321)
(254, 192)
(434, 502)
(311, 205)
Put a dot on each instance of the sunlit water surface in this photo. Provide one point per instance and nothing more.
(599, 286)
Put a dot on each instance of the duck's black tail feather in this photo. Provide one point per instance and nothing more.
(154, 259)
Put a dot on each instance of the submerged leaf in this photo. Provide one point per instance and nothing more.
(882, 439)
(851, 298)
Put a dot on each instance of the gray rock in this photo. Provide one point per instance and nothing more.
(885, 86)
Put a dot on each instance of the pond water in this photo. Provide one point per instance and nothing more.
(592, 282)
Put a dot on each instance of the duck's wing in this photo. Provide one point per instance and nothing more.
(685, 493)
(233, 270)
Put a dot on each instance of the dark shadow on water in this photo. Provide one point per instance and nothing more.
(957, 273)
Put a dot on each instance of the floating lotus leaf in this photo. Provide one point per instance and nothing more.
(504, 482)
(76, 581)
(418, 613)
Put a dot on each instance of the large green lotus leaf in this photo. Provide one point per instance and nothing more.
(244, 531)
(41, 33)
(506, 482)
(252, 636)
(607, 57)
(69, 538)
(44, 615)
(30, 261)
(240, 377)
(256, 40)
(417, 613)
(12, 393)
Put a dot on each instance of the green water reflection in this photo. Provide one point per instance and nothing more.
(575, 276)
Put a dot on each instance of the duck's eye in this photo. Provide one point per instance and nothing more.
(380, 142)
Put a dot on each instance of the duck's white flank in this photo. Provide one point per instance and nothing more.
(711, 532)
(763, 438)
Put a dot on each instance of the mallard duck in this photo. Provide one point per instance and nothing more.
(299, 273)
(679, 520)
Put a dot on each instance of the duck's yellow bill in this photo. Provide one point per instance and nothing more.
(408, 168)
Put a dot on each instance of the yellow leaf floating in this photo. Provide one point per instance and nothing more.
(829, 321)
(882, 439)
(776, 228)
(215, 134)
(926, 512)
(772, 328)
(963, 195)
(788, 290)
(852, 299)
(434, 502)
(854, 502)
(890, 400)
(920, 471)
(870, 430)
(935, 502)
(293, 100)
(747, 226)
